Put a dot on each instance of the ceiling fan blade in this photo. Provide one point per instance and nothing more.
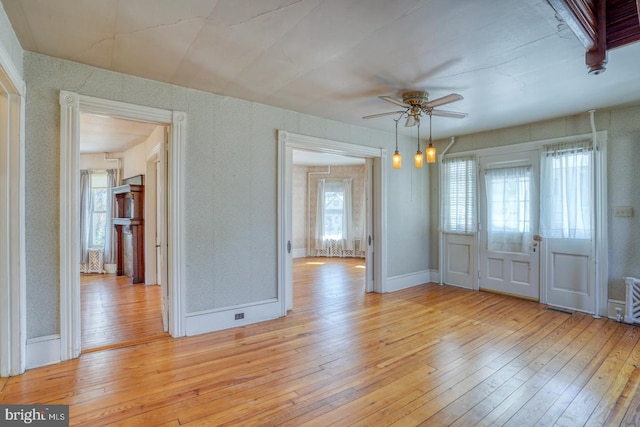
(444, 100)
(453, 114)
(373, 116)
(394, 101)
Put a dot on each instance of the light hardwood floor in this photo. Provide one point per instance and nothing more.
(429, 355)
(117, 313)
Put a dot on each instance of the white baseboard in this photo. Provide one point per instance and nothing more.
(43, 351)
(299, 253)
(407, 280)
(217, 320)
(434, 276)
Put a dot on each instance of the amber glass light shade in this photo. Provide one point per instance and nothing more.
(418, 159)
(431, 154)
(397, 160)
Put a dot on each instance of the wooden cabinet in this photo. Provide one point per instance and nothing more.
(129, 225)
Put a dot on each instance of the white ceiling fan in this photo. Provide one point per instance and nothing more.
(416, 103)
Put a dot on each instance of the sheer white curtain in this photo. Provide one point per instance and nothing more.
(347, 216)
(459, 195)
(363, 221)
(109, 246)
(85, 217)
(320, 217)
(567, 190)
(334, 228)
(509, 209)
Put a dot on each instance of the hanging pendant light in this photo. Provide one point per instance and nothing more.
(397, 158)
(418, 158)
(430, 150)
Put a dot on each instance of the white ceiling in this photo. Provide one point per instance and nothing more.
(512, 61)
(311, 158)
(100, 134)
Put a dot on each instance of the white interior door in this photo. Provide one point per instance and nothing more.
(509, 254)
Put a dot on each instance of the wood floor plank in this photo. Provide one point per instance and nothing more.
(428, 355)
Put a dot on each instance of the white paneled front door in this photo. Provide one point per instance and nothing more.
(509, 252)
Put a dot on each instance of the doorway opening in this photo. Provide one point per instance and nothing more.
(330, 214)
(374, 247)
(71, 105)
(121, 168)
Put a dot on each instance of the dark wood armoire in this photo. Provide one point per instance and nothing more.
(129, 225)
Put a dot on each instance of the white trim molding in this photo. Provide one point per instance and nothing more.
(405, 281)
(176, 225)
(12, 220)
(69, 226)
(71, 104)
(231, 317)
(9, 68)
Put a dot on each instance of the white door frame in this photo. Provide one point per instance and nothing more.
(71, 104)
(288, 141)
(13, 330)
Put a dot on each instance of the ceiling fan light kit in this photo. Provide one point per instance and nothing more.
(415, 104)
(397, 158)
(418, 158)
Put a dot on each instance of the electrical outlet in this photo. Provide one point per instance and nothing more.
(239, 316)
(623, 211)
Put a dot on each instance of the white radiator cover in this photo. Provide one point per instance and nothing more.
(632, 306)
(95, 261)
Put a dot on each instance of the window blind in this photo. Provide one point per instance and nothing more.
(459, 195)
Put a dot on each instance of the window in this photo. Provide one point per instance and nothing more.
(98, 226)
(567, 191)
(333, 210)
(459, 195)
(509, 208)
(334, 221)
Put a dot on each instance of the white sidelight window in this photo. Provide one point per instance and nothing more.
(459, 176)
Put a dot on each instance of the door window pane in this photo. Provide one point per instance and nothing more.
(567, 191)
(509, 209)
(333, 214)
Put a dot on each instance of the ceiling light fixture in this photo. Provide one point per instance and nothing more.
(415, 104)
(418, 158)
(431, 150)
(397, 158)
